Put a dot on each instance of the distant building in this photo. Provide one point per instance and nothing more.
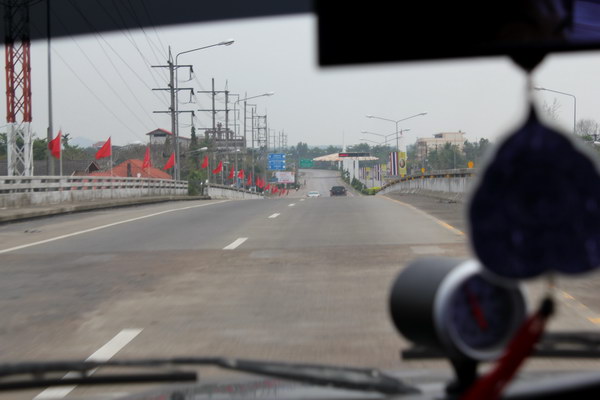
(425, 145)
(159, 137)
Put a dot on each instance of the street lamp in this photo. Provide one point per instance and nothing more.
(176, 105)
(197, 150)
(384, 136)
(396, 122)
(372, 141)
(566, 94)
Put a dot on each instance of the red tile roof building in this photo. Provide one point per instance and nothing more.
(131, 168)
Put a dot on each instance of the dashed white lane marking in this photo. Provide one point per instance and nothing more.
(24, 246)
(235, 244)
(274, 215)
(301, 199)
(291, 205)
(104, 353)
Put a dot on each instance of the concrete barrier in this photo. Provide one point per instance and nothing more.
(453, 185)
(228, 192)
(23, 191)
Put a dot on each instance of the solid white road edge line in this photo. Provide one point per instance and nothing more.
(24, 246)
(235, 244)
(104, 353)
(274, 215)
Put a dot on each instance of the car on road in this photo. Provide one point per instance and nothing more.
(337, 191)
(313, 193)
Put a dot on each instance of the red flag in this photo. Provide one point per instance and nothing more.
(170, 163)
(205, 162)
(54, 145)
(147, 163)
(105, 150)
(260, 183)
(275, 189)
(231, 173)
(249, 181)
(268, 187)
(219, 168)
(241, 174)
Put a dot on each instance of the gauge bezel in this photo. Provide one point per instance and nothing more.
(448, 334)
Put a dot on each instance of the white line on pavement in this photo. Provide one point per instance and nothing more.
(104, 353)
(292, 205)
(301, 199)
(235, 244)
(24, 246)
(274, 215)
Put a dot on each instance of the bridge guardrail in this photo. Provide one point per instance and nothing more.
(18, 191)
(453, 183)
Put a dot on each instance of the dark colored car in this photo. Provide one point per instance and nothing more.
(337, 191)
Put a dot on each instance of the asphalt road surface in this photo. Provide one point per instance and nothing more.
(288, 278)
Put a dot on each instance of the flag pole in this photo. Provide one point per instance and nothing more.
(111, 159)
(60, 166)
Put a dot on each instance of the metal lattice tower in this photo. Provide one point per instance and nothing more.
(18, 88)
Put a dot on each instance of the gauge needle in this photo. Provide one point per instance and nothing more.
(476, 310)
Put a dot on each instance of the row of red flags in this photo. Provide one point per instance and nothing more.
(55, 147)
(106, 150)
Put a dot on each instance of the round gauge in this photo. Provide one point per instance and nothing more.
(455, 306)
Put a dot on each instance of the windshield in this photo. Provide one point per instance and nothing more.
(237, 262)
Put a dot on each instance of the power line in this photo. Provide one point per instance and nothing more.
(135, 16)
(112, 89)
(136, 74)
(98, 35)
(87, 87)
(129, 36)
(164, 49)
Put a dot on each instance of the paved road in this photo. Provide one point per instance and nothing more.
(291, 278)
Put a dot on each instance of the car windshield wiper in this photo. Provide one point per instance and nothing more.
(80, 372)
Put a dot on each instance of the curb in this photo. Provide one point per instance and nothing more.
(19, 215)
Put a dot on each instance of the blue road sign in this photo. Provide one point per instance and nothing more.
(276, 156)
(276, 165)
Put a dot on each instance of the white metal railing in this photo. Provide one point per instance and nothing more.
(18, 191)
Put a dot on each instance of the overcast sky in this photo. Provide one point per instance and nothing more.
(102, 85)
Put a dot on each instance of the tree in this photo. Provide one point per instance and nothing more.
(3, 145)
(40, 147)
(360, 148)
(551, 110)
(587, 129)
(302, 149)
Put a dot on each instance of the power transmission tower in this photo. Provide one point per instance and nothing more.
(18, 88)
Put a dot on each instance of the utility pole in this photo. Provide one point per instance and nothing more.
(173, 90)
(214, 112)
(49, 159)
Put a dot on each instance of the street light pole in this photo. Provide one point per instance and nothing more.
(396, 122)
(574, 103)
